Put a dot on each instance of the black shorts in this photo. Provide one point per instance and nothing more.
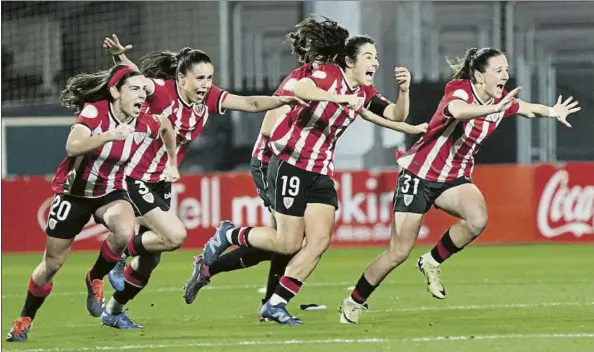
(259, 171)
(148, 196)
(416, 195)
(291, 188)
(69, 214)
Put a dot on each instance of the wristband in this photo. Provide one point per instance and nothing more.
(552, 112)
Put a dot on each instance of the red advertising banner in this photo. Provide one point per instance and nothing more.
(564, 202)
(525, 204)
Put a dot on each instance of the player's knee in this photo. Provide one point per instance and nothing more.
(176, 237)
(52, 265)
(318, 244)
(123, 229)
(397, 256)
(399, 251)
(290, 244)
(477, 223)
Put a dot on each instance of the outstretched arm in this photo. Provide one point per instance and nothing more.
(393, 125)
(257, 103)
(560, 111)
(461, 110)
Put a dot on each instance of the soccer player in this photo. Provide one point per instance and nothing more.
(179, 86)
(90, 181)
(437, 170)
(314, 43)
(303, 194)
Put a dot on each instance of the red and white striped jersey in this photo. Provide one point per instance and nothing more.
(446, 152)
(188, 120)
(102, 170)
(307, 135)
(262, 150)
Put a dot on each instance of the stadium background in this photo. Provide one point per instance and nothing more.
(550, 46)
(536, 175)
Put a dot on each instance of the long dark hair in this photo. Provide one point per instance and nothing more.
(91, 87)
(351, 48)
(167, 64)
(474, 60)
(317, 40)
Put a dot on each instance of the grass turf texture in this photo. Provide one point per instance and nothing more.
(501, 298)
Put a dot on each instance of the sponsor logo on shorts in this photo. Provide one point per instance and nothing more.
(167, 195)
(52, 223)
(288, 201)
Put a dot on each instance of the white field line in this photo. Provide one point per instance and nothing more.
(419, 309)
(303, 342)
(174, 289)
(57, 292)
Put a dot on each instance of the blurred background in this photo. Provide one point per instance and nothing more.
(550, 46)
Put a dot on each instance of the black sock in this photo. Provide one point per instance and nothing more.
(35, 297)
(239, 236)
(134, 282)
(136, 248)
(239, 258)
(288, 287)
(142, 229)
(106, 261)
(362, 290)
(278, 264)
(445, 248)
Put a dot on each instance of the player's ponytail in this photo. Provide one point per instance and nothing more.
(91, 87)
(167, 64)
(159, 64)
(474, 60)
(321, 41)
(462, 67)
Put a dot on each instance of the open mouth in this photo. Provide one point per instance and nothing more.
(200, 94)
(138, 106)
(500, 86)
(370, 74)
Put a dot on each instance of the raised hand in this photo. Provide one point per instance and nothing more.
(563, 109)
(114, 47)
(508, 100)
(402, 77)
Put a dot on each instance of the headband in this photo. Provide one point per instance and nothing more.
(117, 76)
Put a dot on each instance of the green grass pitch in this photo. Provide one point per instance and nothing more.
(500, 298)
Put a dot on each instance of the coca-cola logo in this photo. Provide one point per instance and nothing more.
(564, 209)
(91, 229)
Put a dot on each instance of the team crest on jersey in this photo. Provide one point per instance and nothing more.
(52, 223)
(408, 198)
(288, 201)
(139, 136)
(199, 109)
(495, 117)
(149, 198)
